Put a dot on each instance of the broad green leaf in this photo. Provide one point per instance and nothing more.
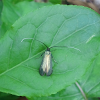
(77, 28)
(11, 12)
(70, 93)
(25, 7)
(89, 84)
(56, 1)
(4, 96)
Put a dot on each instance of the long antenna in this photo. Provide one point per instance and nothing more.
(34, 39)
(50, 47)
(67, 47)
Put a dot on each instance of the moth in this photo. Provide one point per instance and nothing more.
(46, 64)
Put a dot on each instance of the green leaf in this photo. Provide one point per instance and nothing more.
(90, 81)
(3, 29)
(12, 12)
(4, 96)
(89, 84)
(56, 1)
(55, 26)
(70, 93)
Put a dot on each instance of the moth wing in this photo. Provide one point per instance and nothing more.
(41, 71)
(43, 65)
(46, 65)
(50, 67)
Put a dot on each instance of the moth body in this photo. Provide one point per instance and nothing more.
(46, 65)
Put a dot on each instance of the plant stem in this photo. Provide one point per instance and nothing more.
(81, 90)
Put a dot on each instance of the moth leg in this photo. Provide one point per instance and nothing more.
(54, 59)
(40, 55)
(53, 50)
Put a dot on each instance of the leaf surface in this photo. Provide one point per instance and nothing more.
(89, 84)
(12, 12)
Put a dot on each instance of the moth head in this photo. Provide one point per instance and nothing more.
(47, 52)
(48, 49)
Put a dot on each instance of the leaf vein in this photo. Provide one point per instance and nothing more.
(62, 25)
(74, 32)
